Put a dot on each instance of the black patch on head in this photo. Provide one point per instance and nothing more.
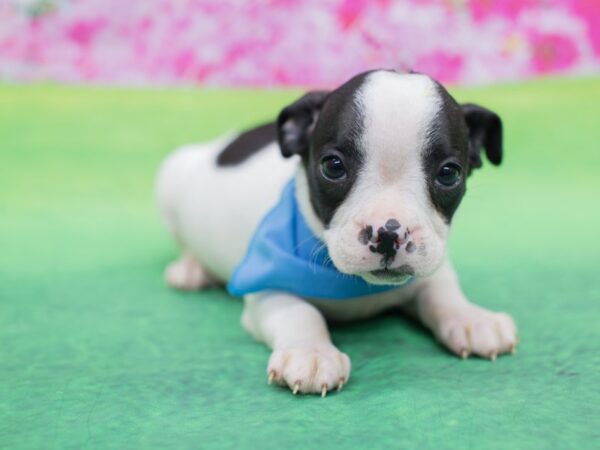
(320, 125)
(247, 144)
(337, 132)
(447, 141)
(457, 138)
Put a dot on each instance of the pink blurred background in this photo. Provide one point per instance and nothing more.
(293, 42)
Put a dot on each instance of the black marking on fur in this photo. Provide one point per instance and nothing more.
(365, 235)
(322, 123)
(387, 245)
(458, 135)
(447, 142)
(337, 130)
(387, 241)
(247, 144)
(485, 131)
(392, 225)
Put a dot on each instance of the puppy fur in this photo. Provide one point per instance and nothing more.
(394, 133)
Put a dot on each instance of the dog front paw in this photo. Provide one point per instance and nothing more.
(474, 330)
(310, 368)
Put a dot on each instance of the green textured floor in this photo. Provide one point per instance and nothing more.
(95, 352)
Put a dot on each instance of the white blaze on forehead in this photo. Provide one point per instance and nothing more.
(398, 110)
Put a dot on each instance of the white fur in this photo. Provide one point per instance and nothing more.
(212, 212)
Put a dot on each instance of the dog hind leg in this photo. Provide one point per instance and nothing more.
(186, 274)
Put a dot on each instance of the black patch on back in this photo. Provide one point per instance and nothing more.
(247, 144)
(447, 142)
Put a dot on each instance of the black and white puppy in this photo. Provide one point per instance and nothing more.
(385, 152)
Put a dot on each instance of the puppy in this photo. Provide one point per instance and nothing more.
(339, 210)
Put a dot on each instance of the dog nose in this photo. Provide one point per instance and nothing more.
(386, 241)
(387, 245)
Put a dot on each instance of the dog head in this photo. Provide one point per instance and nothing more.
(385, 159)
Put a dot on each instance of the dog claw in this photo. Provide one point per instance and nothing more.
(464, 353)
(341, 384)
(296, 388)
(493, 356)
(513, 350)
(323, 391)
(271, 377)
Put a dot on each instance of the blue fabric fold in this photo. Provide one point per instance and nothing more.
(285, 255)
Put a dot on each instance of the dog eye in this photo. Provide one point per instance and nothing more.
(332, 168)
(449, 175)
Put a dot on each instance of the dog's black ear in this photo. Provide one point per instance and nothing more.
(485, 131)
(297, 121)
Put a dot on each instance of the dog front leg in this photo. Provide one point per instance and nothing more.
(303, 357)
(461, 326)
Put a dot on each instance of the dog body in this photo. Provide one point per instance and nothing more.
(380, 166)
(216, 228)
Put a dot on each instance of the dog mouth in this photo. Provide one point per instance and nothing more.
(400, 275)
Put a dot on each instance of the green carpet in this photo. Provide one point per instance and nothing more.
(95, 352)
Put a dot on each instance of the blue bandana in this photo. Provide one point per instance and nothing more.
(285, 255)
